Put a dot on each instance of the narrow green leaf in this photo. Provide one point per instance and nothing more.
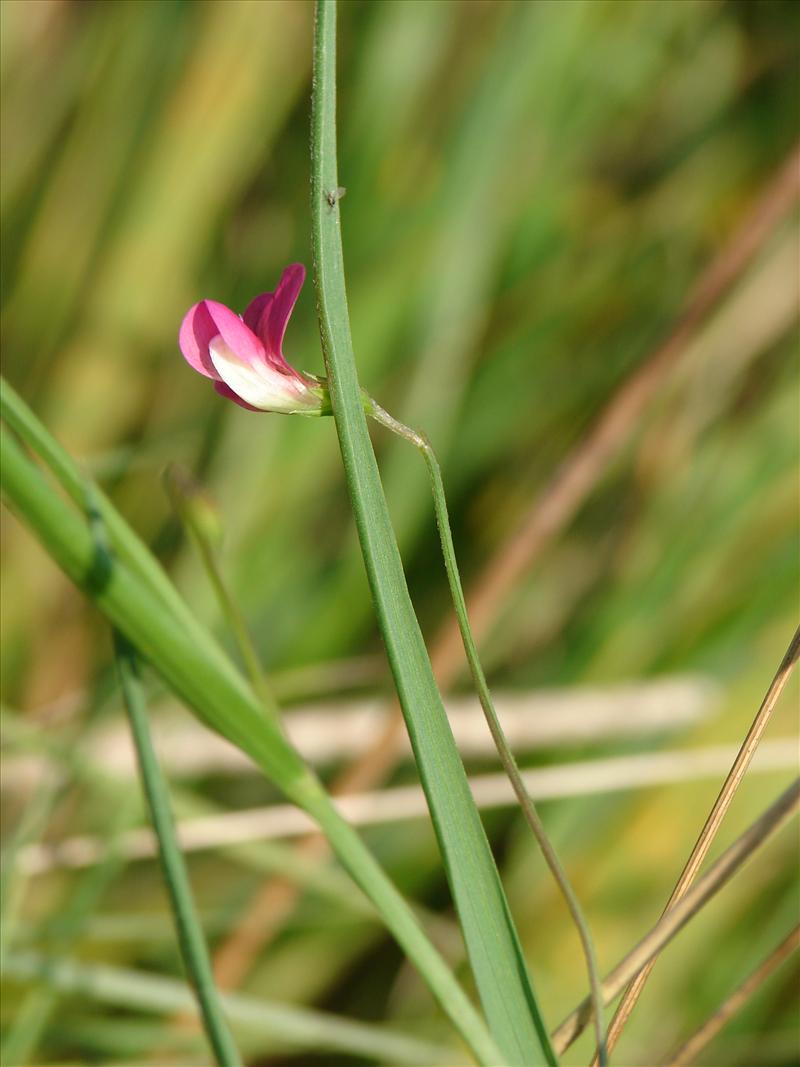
(200, 673)
(190, 933)
(491, 938)
(125, 543)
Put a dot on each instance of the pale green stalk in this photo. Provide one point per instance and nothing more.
(125, 543)
(190, 934)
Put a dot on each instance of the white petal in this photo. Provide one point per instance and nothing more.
(258, 383)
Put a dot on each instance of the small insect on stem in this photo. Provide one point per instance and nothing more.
(335, 195)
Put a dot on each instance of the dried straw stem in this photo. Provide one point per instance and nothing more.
(713, 822)
(689, 1051)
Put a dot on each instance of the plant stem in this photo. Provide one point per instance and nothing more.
(187, 924)
(713, 822)
(421, 442)
(693, 1046)
(491, 939)
(673, 920)
(182, 491)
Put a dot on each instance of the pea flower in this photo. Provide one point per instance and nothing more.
(244, 356)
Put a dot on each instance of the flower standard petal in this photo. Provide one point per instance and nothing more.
(274, 318)
(244, 357)
(255, 309)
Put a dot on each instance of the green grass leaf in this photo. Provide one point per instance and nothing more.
(489, 933)
(200, 673)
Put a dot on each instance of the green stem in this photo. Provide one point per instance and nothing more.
(507, 759)
(182, 492)
(187, 924)
(491, 939)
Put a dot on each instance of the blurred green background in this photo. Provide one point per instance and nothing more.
(533, 190)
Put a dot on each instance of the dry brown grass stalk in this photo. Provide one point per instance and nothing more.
(675, 919)
(704, 1035)
(712, 823)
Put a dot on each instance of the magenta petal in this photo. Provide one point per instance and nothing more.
(238, 337)
(255, 309)
(273, 322)
(197, 331)
(226, 391)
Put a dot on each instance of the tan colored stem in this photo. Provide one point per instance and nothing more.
(676, 918)
(713, 822)
(689, 1051)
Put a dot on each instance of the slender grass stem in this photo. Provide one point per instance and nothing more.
(183, 494)
(713, 822)
(491, 939)
(674, 920)
(187, 924)
(705, 1034)
(320, 1035)
(421, 442)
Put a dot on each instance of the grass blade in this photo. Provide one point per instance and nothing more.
(705, 1034)
(713, 822)
(187, 924)
(491, 939)
(71, 479)
(201, 675)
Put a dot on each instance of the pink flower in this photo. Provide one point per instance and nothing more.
(244, 356)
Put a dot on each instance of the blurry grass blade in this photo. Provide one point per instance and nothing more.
(195, 512)
(238, 829)
(189, 931)
(200, 674)
(293, 1027)
(30, 825)
(491, 938)
(62, 928)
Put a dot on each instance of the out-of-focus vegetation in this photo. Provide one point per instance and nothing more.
(532, 191)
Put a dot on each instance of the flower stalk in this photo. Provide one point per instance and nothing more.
(421, 442)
